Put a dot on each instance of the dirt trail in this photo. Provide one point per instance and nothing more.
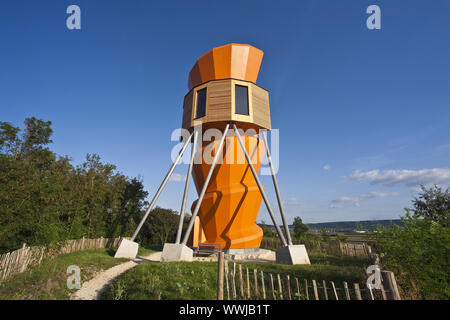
(92, 289)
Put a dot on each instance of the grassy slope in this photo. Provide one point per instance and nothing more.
(197, 280)
(142, 252)
(48, 280)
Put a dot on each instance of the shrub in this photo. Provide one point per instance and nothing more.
(418, 251)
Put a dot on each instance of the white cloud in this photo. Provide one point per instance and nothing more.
(337, 203)
(376, 194)
(403, 177)
(443, 147)
(345, 199)
(176, 177)
(326, 167)
(291, 202)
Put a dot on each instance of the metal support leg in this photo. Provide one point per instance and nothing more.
(202, 193)
(277, 191)
(261, 189)
(161, 187)
(186, 188)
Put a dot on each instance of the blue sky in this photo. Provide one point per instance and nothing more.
(364, 115)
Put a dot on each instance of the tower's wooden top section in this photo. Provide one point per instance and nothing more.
(223, 88)
(236, 61)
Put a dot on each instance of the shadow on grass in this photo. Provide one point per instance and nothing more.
(111, 251)
(155, 247)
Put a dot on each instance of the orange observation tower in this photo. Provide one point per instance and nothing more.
(226, 115)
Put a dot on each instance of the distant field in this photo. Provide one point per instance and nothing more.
(352, 237)
(349, 226)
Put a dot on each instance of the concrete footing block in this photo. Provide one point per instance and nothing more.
(292, 254)
(127, 249)
(176, 252)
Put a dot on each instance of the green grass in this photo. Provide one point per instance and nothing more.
(197, 280)
(48, 280)
(142, 252)
(174, 280)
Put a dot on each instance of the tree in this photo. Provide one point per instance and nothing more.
(44, 198)
(37, 134)
(125, 221)
(267, 232)
(8, 137)
(325, 235)
(300, 229)
(159, 228)
(432, 204)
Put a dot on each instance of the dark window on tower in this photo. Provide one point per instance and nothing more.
(241, 97)
(201, 103)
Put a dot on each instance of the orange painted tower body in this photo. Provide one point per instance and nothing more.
(224, 95)
(232, 200)
(223, 89)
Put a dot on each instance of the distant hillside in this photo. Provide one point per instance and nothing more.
(347, 226)
(352, 225)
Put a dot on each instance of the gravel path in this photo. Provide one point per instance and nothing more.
(92, 289)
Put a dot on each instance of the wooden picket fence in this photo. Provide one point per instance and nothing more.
(241, 284)
(18, 261)
(332, 247)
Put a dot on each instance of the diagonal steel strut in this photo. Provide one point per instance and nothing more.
(261, 189)
(277, 191)
(186, 188)
(202, 193)
(161, 187)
